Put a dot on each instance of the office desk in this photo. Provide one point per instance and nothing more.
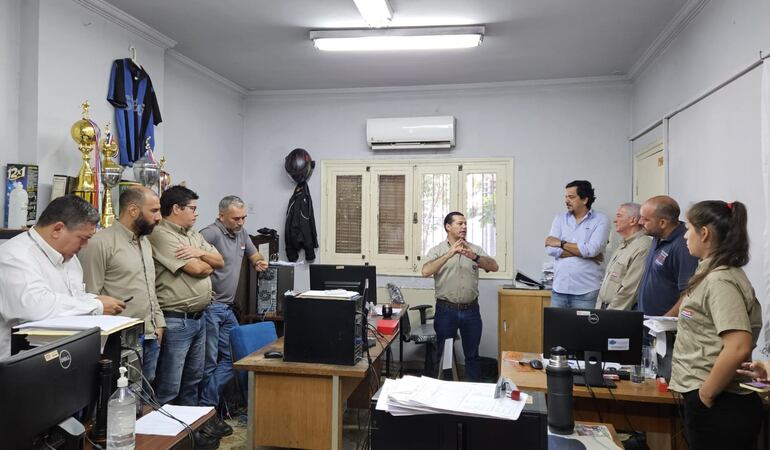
(300, 405)
(647, 409)
(155, 442)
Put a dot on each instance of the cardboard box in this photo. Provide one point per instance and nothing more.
(27, 175)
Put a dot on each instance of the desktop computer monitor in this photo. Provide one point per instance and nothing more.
(594, 335)
(42, 387)
(324, 277)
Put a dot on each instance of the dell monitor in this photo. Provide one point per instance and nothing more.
(361, 279)
(594, 335)
(45, 386)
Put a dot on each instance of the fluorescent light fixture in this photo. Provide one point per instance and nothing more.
(376, 13)
(417, 38)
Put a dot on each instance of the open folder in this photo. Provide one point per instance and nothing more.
(521, 281)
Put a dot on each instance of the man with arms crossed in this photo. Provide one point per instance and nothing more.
(232, 241)
(118, 262)
(183, 263)
(577, 241)
(624, 271)
(454, 265)
(40, 274)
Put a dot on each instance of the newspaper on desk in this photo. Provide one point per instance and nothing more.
(424, 395)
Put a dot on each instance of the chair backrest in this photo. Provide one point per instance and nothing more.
(244, 340)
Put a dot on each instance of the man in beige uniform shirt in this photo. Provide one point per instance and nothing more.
(625, 269)
(118, 262)
(454, 264)
(183, 263)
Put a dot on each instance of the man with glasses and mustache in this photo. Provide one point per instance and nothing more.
(118, 262)
(183, 263)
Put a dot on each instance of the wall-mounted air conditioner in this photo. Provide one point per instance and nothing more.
(400, 133)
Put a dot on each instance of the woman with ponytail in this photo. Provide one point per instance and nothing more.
(719, 321)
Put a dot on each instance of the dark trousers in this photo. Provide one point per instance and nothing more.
(733, 422)
(447, 321)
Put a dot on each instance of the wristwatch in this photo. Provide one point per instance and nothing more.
(476, 259)
(562, 244)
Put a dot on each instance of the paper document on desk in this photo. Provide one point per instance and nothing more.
(425, 395)
(658, 326)
(156, 423)
(591, 436)
(108, 324)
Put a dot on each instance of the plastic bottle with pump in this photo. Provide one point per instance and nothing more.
(121, 416)
(18, 200)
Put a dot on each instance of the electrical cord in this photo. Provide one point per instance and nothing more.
(591, 391)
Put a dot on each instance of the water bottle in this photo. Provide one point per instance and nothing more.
(17, 207)
(559, 376)
(121, 416)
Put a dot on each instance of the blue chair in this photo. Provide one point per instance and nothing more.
(244, 340)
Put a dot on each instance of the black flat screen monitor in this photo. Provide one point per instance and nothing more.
(42, 387)
(325, 277)
(594, 335)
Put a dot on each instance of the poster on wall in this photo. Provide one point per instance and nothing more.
(20, 195)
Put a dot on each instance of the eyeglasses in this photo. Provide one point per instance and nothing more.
(192, 207)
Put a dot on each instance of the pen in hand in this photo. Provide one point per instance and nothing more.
(128, 299)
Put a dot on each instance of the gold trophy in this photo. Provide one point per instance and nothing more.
(165, 177)
(111, 173)
(146, 170)
(84, 134)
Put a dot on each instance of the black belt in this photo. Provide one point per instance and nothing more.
(183, 315)
(458, 306)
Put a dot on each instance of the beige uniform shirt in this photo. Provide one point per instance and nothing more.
(624, 272)
(457, 281)
(115, 263)
(723, 301)
(177, 291)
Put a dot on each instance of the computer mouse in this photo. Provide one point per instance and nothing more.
(273, 354)
(536, 364)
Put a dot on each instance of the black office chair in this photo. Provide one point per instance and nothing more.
(421, 334)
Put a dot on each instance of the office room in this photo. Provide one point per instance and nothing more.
(555, 91)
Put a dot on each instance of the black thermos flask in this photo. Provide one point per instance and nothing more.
(99, 430)
(559, 375)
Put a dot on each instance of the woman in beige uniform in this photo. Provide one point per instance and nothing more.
(719, 321)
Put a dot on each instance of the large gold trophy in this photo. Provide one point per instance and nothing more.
(84, 134)
(111, 173)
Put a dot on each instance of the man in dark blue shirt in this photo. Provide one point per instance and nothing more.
(669, 264)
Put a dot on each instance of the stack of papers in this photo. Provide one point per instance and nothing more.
(157, 423)
(424, 395)
(338, 294)
(658, 326)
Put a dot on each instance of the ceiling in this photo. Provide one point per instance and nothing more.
(264, 45)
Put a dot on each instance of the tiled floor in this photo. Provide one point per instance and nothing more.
(354, 432)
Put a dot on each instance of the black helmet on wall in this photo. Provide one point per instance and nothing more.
(299, 165)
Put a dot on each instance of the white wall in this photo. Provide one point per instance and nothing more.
(555, 134)
(10, 61)
(203, 136)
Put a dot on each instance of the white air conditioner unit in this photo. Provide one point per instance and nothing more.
(407, 133)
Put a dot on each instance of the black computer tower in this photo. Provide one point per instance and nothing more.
(323, 330)
(451, 432)
(272, 284)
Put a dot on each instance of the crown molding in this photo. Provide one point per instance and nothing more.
(600, 81)
(683, 18)
(128, 22)
(206, 71)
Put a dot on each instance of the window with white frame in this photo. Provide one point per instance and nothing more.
(389, 213)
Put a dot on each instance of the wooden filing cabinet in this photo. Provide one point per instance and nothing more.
(520, 319)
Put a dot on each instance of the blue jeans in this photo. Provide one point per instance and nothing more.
(218, 371)
(447, 321)
(574, 301)
(180, 366)
(150, 353)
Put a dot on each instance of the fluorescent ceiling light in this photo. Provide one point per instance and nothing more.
(376, 13)
(419, 38)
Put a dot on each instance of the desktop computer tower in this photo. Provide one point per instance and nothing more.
(271, 286)
(451, 432)
(323, 330)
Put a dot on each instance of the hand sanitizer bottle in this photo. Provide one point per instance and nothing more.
(121, 416)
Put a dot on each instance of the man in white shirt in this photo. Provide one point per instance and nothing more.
(40, 275)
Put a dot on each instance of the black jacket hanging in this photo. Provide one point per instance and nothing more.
(300, 232)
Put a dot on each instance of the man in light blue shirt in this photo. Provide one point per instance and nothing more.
(577, 241)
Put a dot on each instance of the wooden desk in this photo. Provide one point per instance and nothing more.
(156, 442)
(300, 405)
(647, 409)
